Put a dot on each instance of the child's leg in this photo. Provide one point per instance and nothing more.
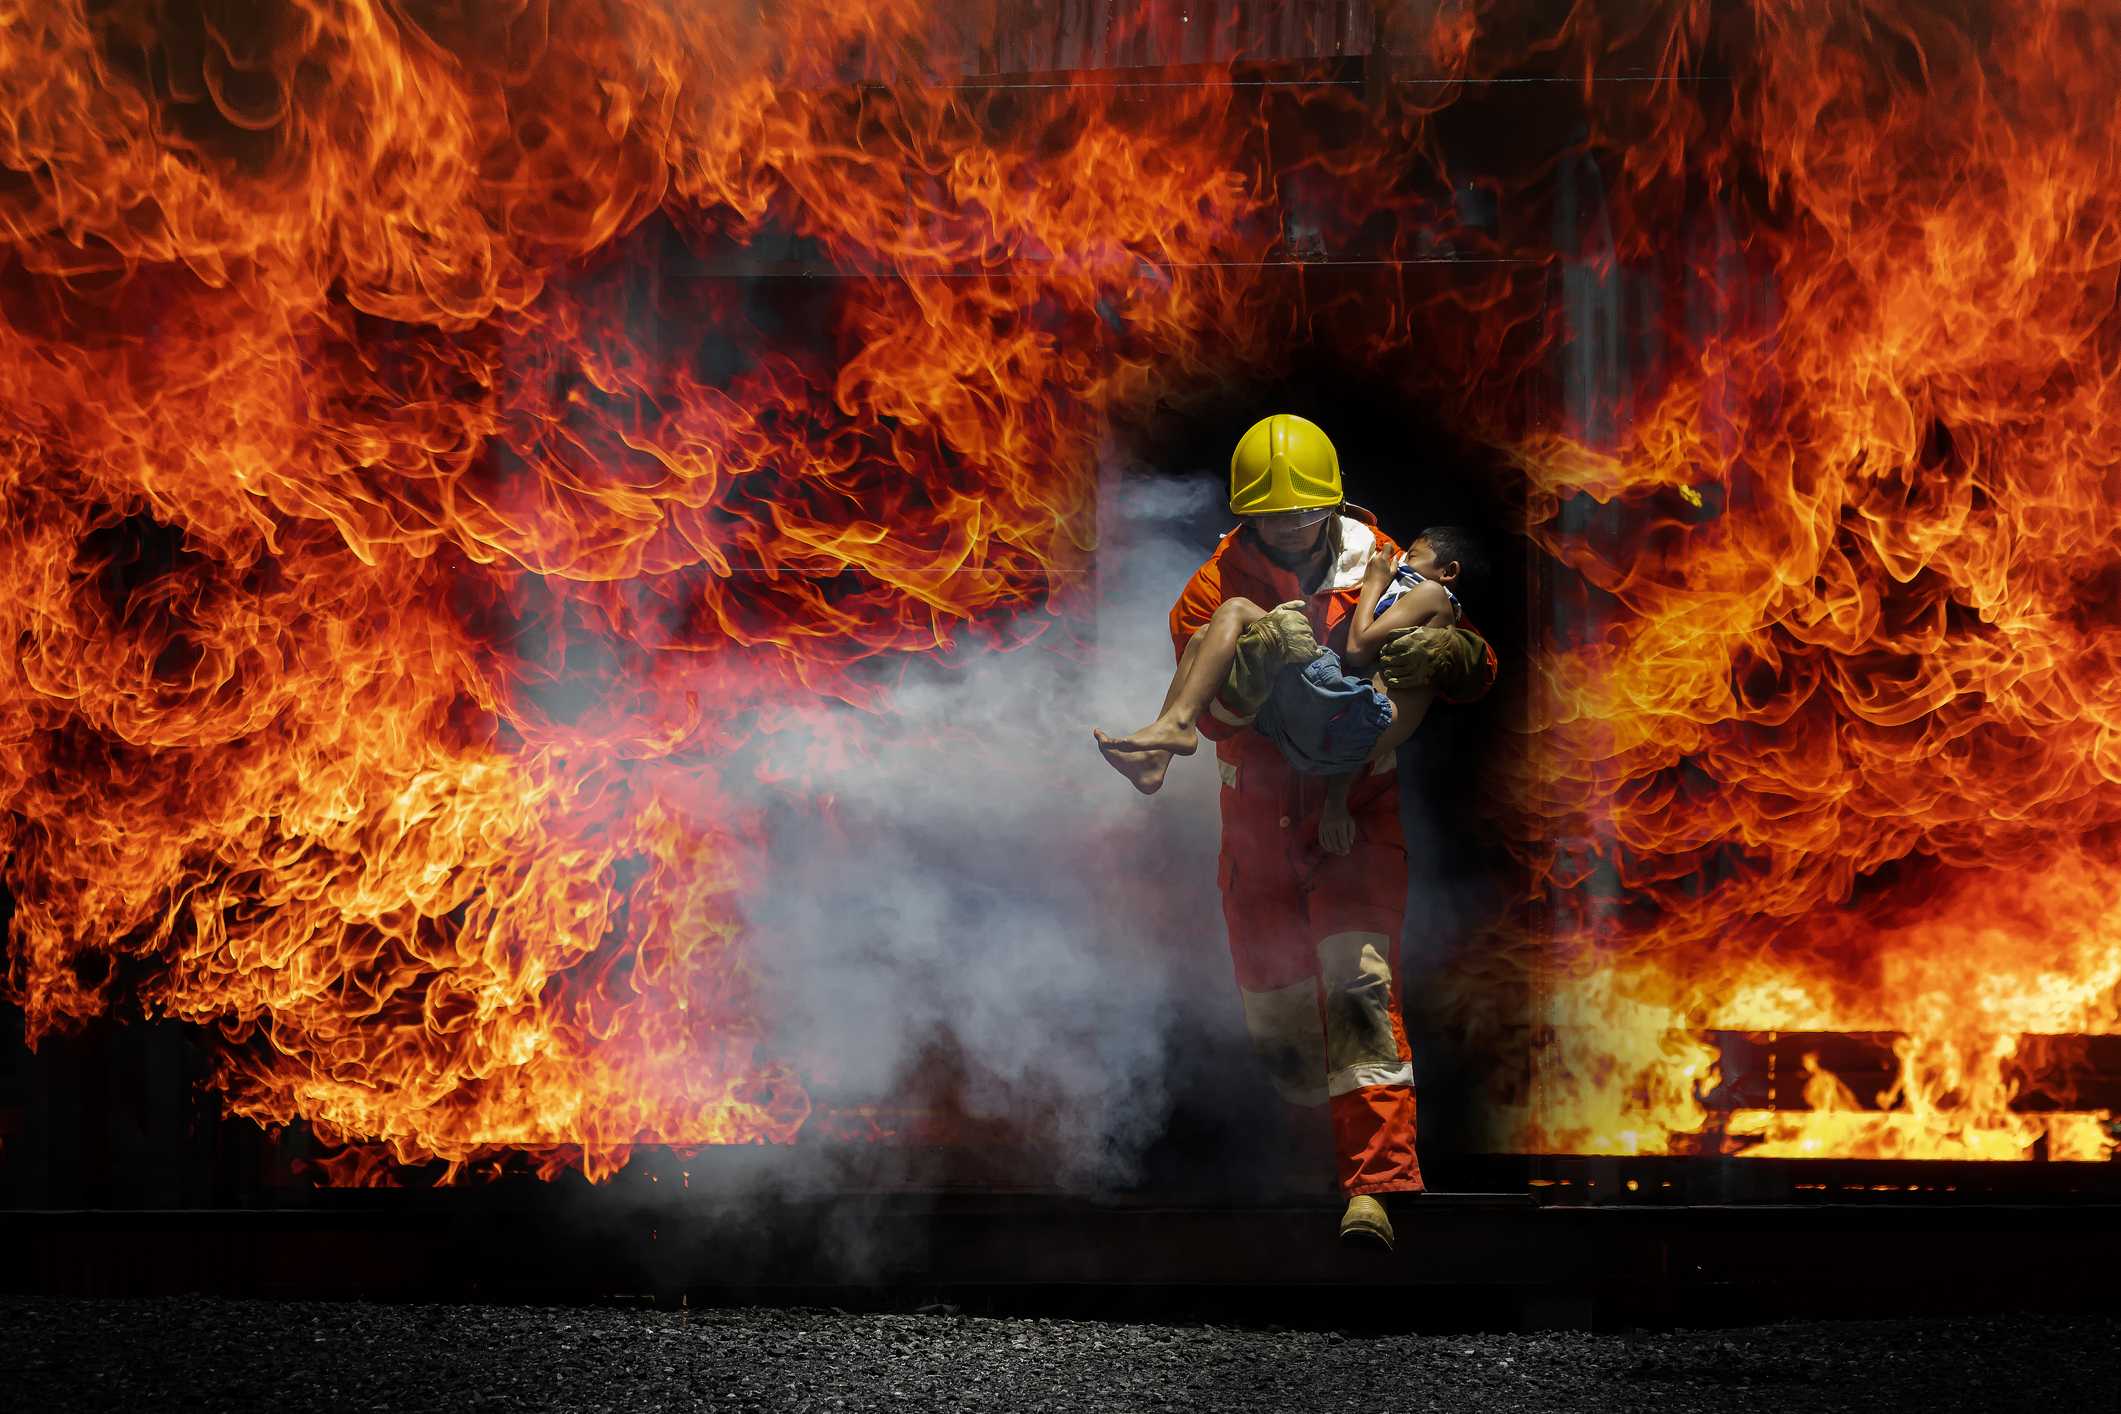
(1409, 706)
(1201, 672)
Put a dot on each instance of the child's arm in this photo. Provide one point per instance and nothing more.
(1376, 578)
(1424, 604)
(1336, 827)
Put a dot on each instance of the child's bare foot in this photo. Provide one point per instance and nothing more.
(1163, 734)
(1144, 768)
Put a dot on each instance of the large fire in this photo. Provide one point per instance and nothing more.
(440, 437)
(1830, 697)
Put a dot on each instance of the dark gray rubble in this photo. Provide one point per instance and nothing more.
(194, 1353)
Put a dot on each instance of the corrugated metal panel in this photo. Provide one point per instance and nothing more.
(970, 38)
(1047, 36)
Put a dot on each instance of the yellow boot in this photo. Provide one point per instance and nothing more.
(1365, 1225)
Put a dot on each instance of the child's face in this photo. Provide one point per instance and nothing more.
(1421, 558)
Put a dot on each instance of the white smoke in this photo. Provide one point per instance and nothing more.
(989, 886)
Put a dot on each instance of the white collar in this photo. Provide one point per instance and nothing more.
(1356, 541)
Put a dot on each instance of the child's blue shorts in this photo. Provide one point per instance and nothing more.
(1322, 720)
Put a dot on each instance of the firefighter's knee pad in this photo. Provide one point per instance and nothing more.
(1290, 1040)
(1363, 1045)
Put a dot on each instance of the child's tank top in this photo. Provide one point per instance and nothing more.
(1404, 579)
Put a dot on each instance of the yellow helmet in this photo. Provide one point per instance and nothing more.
(1284, 463)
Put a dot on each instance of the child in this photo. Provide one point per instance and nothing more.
(1324, 720)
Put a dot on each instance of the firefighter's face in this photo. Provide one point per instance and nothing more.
(1282, 535)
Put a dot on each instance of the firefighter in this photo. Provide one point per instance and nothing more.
(1315, 935)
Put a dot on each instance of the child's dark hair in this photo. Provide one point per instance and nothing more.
(1453, 542)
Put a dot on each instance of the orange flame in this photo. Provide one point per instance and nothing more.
(408, 524)
(1828, 705)
(417, 496)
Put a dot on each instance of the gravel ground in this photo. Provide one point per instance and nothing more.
(198, 1353)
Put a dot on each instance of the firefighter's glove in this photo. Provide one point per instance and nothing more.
(1451, 660)
(1263, 650)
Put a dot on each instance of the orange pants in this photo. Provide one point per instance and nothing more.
(1314, 937)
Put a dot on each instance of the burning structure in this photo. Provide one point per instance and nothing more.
(477, 477)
